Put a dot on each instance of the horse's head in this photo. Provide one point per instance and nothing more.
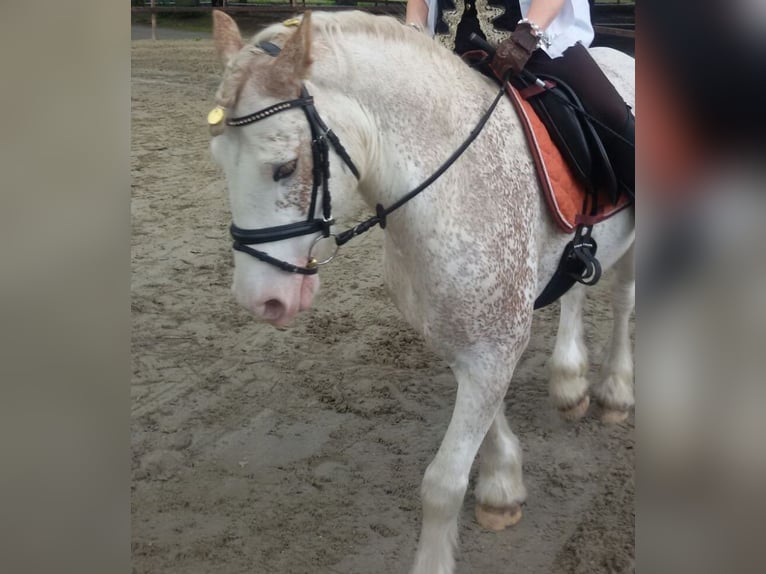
(269, 152)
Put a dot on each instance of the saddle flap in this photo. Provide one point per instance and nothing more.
(563, 125)
(563, 189)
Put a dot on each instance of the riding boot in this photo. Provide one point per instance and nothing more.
(622, 153)
(579, 71)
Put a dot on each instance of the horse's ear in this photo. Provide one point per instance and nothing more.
(228, 40)
(295, 57)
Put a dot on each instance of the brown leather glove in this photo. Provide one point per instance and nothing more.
(514, 52)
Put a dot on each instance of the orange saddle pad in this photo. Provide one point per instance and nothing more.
(564, 194)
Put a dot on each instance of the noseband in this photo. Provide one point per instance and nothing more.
(322, 138)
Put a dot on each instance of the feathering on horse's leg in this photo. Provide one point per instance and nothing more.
(500, 488)
(479, 395)
(614, 392)
(568, 386)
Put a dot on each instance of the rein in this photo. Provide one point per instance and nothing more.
(382, 212)
(322, 138)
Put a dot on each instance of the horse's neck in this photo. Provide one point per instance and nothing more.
(400, 111)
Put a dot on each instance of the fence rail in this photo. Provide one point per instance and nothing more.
(612, 31)
(603, 13)
(268, 8)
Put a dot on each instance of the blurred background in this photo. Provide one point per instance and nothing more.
(701, 287)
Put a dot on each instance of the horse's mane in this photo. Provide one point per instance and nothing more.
(327, 28)
(329, 25)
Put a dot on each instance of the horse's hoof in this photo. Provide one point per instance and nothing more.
(576, 412)
(614, 416)
(493, 518)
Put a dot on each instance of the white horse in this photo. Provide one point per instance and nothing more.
(464, 260)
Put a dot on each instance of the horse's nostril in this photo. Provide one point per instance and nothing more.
(273, 309)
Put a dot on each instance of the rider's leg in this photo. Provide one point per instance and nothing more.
(600, 98)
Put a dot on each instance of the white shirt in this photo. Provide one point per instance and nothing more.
(571, 25)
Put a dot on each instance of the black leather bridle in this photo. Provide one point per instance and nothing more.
(322, 138)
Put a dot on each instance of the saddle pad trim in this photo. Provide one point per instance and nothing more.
(545, 154)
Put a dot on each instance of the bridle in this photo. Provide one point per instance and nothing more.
(322, 138)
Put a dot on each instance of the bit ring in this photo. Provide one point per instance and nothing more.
(312, 260)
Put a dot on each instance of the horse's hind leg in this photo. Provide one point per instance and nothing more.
(614, 392)
(568, 387)
(482, 384)
(500, 488)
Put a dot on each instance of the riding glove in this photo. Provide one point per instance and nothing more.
(514, 52)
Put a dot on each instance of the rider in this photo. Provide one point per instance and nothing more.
(562, 31)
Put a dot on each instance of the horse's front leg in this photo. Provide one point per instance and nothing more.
(499, 488)
(482, 384)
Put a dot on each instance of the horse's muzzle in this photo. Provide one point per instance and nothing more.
(281, 301)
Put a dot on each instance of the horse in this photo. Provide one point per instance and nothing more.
(380, 106)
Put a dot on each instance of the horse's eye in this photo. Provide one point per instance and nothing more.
(285, 170)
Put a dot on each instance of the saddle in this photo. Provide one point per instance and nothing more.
(575, 173)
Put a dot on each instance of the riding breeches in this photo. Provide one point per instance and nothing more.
(599, 97)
